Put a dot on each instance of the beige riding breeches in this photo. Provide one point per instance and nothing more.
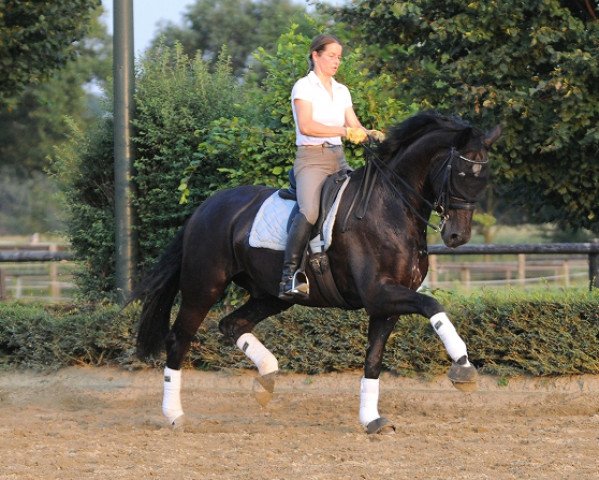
(313, 164)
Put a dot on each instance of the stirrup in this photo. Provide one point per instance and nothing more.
(300, 287)
(300, 284)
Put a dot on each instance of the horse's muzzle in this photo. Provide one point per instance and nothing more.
(457, 229)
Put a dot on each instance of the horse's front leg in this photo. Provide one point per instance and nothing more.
(379, 329)
(399, 300)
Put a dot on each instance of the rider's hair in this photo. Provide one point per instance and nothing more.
(319, 44)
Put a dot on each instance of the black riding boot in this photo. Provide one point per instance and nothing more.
(299, 235)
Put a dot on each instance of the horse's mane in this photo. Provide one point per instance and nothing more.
(406, 133)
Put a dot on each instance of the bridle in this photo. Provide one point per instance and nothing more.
(448, 197)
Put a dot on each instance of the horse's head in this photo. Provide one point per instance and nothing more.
(431, 161)
(459, 181)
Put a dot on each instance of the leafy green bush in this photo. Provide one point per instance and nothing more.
(263, 140)
(36, 336)
(176, 99)
(83, 167)
(506, 335)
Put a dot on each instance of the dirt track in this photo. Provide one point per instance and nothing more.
(101, 423)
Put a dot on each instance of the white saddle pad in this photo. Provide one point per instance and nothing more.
(269, 229)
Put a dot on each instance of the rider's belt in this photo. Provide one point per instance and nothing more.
(322, 145)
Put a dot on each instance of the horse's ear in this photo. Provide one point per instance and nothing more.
(492, 136)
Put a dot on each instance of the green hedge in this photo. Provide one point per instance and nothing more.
(505, 334)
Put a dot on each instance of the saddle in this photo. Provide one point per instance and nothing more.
(316, 256)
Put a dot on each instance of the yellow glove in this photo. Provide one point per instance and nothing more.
(356, 134)
(376, 135)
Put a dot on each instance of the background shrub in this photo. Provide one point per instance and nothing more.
(506, 335)
(83, 167)
(263, 140)
(176, 99)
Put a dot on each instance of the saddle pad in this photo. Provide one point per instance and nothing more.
(269, 229)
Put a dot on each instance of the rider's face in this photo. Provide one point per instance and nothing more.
(329, 59)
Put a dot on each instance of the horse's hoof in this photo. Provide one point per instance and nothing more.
(178, 423)
(381, 426)
(464, 378)
(264, 387)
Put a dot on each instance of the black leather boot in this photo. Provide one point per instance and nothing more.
(299, 235)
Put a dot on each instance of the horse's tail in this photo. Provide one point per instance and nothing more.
(157, 291)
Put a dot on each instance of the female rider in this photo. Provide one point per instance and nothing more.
(323, 113)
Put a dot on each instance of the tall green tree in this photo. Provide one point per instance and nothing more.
(241, 25)
(37, 38)
(37, 122)
(532, 66)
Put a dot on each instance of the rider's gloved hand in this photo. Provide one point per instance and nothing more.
(356, 134)
(375, 135)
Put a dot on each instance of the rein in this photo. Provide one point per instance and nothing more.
(445, 199)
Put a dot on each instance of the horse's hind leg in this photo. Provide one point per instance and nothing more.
(379, 329)
(237, 327)
(194, 308)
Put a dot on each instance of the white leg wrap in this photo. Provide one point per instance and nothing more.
(455, 346)
(171, 401)
(258, 353)
(369, 400)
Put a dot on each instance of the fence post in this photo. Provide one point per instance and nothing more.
(522, 268)
(432, 263)
(2, 286)
(566, 271)
(54, 284)
(594, 268)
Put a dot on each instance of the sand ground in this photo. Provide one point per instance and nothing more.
(106, 423)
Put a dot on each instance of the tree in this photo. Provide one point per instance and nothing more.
(37, 38)
(261, 140)
(241, 25)
(36, 122)
(532, 66)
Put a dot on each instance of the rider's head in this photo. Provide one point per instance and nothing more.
(319, 45)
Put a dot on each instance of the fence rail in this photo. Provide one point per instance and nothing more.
(591, 249)
(512, 271)
(33, 282)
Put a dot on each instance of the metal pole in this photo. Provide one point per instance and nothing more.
(124, 85)
(594, 267)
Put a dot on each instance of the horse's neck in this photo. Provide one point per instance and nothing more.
(411, 172)
(403, 183)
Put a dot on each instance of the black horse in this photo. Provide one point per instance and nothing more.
(378, 257)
